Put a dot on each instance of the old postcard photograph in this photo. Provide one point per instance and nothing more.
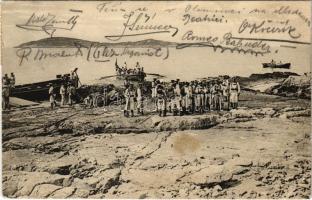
(156, 99)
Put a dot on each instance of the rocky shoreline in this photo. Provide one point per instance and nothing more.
(259, 151)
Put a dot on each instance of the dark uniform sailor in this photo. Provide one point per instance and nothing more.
(161, 99)
(6, 90)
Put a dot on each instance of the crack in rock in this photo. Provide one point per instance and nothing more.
(148, 155)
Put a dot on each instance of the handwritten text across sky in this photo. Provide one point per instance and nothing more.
(237, 34)
(101, 19)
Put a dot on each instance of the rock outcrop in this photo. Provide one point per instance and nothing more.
(293, 86)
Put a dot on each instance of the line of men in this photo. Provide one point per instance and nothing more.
(196, 96)
(7, 84)
(182, 98)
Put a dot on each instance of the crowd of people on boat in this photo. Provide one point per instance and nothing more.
(183, 98)
(124, 70)
(8, 82)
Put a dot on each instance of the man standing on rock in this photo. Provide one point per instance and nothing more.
(6, 90)
(215, 90)
(177, 107)
(225, 94)
(129, 96)
(154, 95)
(170, 95)
(71, 93)
(199, 98)
(206, 97)
(189, 98)
(234, 93)
(219, 96)
(139, 99)
(161, 99)
(183, 97)
(52, 97)
(62, 93)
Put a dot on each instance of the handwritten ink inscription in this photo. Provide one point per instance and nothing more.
(266, 27)
(93, 53)
(226, 43)
(113, 7)
(246, 31)
(142, 24)
(49, 23)
(188, 19)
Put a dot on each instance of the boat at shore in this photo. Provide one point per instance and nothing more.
(39, 91)
(132, 77)
(36, 91)
(136, 74)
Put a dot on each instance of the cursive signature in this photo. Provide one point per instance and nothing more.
(94, 52)
(48, 23)
(227, 43)
(141, 25)
(38, 54)
(265, 27)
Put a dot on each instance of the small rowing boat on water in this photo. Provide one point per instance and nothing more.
(274, 65)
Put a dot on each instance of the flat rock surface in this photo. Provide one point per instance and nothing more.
(260, 150)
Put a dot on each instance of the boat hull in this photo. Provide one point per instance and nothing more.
(271, 65)
(36, 91)
(132, 77)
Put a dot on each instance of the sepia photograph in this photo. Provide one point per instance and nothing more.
(156, 99)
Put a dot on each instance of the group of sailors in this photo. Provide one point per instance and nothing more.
(134, 99)
(67, 90)
(179, 98)
(129, 71)
(7, 84)
(182, 98)
(67, 93)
